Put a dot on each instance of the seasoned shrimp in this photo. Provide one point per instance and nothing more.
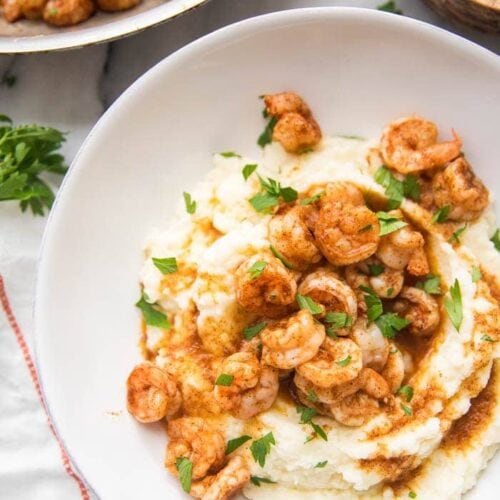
(325, 288)
(394, 369)
(386, 282)
(374, 346)
(296, 129)
(195, 439)
(16, 9)
(152, 393)
(292, 341)
(410, 145)
(337, 362)
(397, 249)
(457, 187)
(343, 192)
(346, 233)
(290, 235)
(420, 308)
(67, 12)
(225, 483)
(253, 389)
(114, 5)
(269, 293)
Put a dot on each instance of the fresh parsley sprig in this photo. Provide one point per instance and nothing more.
(235, 443)
(270, 194)
(260, 448)
(431, 284)
(395, 189)
(185, 468)
(152, 316)
(495, 239)
(453, 305)
(26, 152)
(389, 222)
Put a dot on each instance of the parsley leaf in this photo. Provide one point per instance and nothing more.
(476, 274)
(373, 304)
(257, 269)
(412, 494)
(312, 396)
(408, 411)
(389, 223)
(306, 302)
(431, 285)
(376, 269)
(166, 265)
(258, 480)
(151, 315)
(185, 468)
(267, 136)
(394, 189)
(224, 379)
(235, 443)
(455, 237)
(251, 331)
(26, 152)
(453, 305)
(495, 239)
(391, 7)
(320, 465)
(487, 338)
(306, 414)
(441, 215)
(263, 202)
(230, 154)
(390, 323)
(190, 203)
(311, 199)
(345, 361)
(338, 319)
(407, 392)
(319, 431)
(248, 170)
(411, 187)
(270, 195)
(260, 448)
(285, 262)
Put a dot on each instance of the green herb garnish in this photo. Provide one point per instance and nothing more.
(270, 195)
(412, 494)
(235, 443)
(391, 7)
(407, 392)
(257, 269)
(338, 319)
(248, 170)
(453, 305)
(311, 199)
(190, 203)
(230, 154)
(251, 331)
(373, 304)
(455, 237)
(441, 215)
(260, 448)
(185, 469)
(312, 396)
(390, 323)
(487, 338)
(431, 285)
(495, 239)
(258, 480)
(345, 361)
(166, 265)
(320, 465)
(408, 411)
(224, 379)
(151, 315)
(476, 274)
(285, 262)
(267, 136)
(306, 302)
(376, 269)
(389, 223)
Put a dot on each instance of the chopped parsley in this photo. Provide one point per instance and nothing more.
(152, 316)
(412, 494)
(441, 215)
(408, 411)
(230, 154)
(306, 302)
(338, 319)
(258, 480)
(263, 202)
(235, 443)
(270, 194)
(374, 308)
(311, 199)
(166, 265)
(251, 331)
(190, 203)
(455, 237)
(248, 170)
(431, 285)
(411, 187)
(267, 136)
(475, 274)
(487, 338)
(331, 332)
(224, 379)
(391, 7)
(257, 269)
(312, 396)
(389, 223)
(376, 269)
(389, 292)
(306, 415)
(185, 468)
(396, 190)
(319, 431)
(390, 323)
(285, 262)
(320, 465)
(453, 305)
(407, 392)
(260, 448)
(495, 239)
(345, 361)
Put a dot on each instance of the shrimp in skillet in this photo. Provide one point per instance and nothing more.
(268, 293)
(410, 145)
(152, 393)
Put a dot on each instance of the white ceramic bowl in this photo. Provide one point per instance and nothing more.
(358, 69)
(36, 36)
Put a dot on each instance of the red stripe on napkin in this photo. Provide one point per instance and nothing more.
(36, 381)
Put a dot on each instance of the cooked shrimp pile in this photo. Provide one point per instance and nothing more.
(61, 12)
(338, 309)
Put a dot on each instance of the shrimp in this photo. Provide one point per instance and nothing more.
(16, 9)
(383, 280)
(115, 5)
(67, 12)
(253, 389)
(410, 145)
(269, 293)
(457, 187)
(343, 192)
(420, 308)
(194, 438)
(345, 233)
(397, 249)
(337, 362)
(225, 483)
(325, 288)
(394, 369)
(374, 346)
(292, 341)
(296, 129)
(152, 393)
(290, 235)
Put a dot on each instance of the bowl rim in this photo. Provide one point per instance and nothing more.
(64, 40)
(289, 16)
